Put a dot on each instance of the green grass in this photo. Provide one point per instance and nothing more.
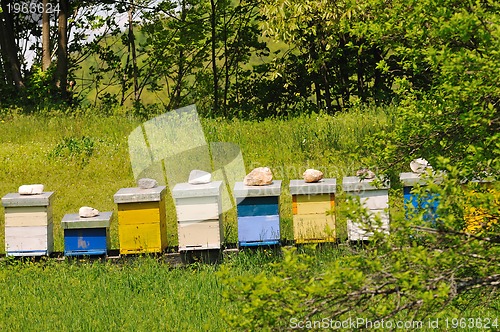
(134, 294)
(141, 295)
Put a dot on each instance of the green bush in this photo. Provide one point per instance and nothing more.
(394, 278)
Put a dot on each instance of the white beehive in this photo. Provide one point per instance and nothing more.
(198, 209)
(374, 198)
(28, 224)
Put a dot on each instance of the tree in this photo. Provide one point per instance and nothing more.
(8, 45)
(446, 84)
(46, 51)
(342, 64)
(449, 97)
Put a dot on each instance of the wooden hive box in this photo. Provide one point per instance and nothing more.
(142, 224)
(375, 199)
(28, 224)
(258, 214)
(86, 236)
(478, 218)
(199, 209)
(310, 202)
(427, 202)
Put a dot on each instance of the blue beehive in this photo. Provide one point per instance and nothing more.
(428, 202)
(258, 214)
(86, 236)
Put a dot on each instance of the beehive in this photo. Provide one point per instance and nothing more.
(375, 199)
(258, 214)
(310, 203)
(478, 218)
(199, 211)
(86, 236)
(427, 202)
(28, 224)
(142, 224)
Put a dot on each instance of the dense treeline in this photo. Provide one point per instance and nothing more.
(436, 62)
(233, 58)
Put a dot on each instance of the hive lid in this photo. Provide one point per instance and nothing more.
(16, 200)
(410, 179)
(74, 220)
(324, 186)
(355, 184)
(186, 190)
(273, 189)
(136, 195)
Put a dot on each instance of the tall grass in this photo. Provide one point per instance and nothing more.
(141, 295)
(136, 294)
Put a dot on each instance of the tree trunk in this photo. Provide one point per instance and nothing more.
(344, 71)
(227, 64)
(7, 70)
(361, 78)
(326, 83)
(45, 37)
(378, 85)
(62, 50)
(317, 90)
(131, 40)
(180, 65)
(214, 57)
(9, 47)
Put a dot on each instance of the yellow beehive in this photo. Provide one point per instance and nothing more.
(142, 224)
(478, 218)
(310, 203)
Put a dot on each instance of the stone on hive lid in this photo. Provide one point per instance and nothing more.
(87, 212)
(187, 190)
(312, 175)
(365, 173)
(31, 189)
(199, 177)
(74, 220)
(419, 165)
(146, 183)
(260, 176)
(138, 195)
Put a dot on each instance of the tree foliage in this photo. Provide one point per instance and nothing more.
(418, 273)
(443, 60)
(449, 101)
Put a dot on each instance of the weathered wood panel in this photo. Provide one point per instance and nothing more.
(29, 240)
(204, 234)
(314, 228)
(28, 215)
(259, 228)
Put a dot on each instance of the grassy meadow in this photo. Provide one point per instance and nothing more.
(85, 160)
